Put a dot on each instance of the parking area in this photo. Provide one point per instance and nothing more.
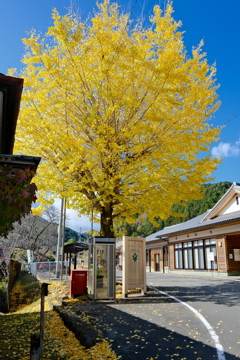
(182, 317)
(213, 301)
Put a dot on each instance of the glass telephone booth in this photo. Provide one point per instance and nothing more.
(101, 268)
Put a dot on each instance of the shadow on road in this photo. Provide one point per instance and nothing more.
(134, 338)
(224, 293)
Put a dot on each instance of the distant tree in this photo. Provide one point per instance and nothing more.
(147, 228)
(70, 234)
(51, 214)
(70, 241)
(34, 233)
(85, 236)
(212, 193)
(119, 113)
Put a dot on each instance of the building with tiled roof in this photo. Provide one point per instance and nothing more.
(208, 243)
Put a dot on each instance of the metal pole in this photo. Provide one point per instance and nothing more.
(44, 292)
(59, 238)
(42, 320)
(92, 218)
(63, 234)
(58, 250)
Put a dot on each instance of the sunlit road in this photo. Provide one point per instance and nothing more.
(216, 301)
(202, 314)
(183, 317)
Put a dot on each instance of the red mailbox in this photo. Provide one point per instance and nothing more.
(78, 281)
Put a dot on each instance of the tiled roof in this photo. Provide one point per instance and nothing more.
(194, 224)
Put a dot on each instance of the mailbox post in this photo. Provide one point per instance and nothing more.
(78, 282)
(101, 271)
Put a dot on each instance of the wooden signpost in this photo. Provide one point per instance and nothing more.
(134, 264)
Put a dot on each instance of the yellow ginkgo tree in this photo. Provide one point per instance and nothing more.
(119, 114)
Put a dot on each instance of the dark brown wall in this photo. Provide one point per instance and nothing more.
(221, 254)
(153, 263)
(232, 242)
(171, 256)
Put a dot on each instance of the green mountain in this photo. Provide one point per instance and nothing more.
(212, 193)
(73, 235)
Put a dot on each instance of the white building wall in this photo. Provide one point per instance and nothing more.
(232, 206)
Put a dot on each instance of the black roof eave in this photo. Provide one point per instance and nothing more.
(76, 247)
(20, 161)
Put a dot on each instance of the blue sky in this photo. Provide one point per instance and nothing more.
(217, 22)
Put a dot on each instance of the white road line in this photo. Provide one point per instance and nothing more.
(214, 336)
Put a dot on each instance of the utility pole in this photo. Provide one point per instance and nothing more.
(63, 235)
(60, 232)
(80, 235)
(92, 216)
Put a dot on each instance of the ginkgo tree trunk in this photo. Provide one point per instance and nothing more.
(119, 114)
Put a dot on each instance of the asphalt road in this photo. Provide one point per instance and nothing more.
(182, 318)
(217, 300)
(193, 317)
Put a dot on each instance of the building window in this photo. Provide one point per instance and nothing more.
(178, 256)
(187, 255)
(237, 201)
(210, 247)
(196, 255)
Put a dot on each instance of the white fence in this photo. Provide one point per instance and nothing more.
(50, 270)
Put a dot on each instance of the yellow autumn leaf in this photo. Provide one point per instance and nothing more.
(118, 114)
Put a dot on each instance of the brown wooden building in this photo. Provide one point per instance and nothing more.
(206, 244)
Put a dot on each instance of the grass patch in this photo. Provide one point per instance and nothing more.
(59, 342)
(16, 334)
